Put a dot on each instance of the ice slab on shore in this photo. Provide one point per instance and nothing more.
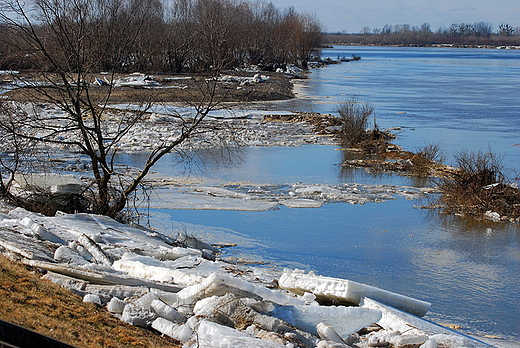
(395, 320)
(347, 291)
(327, 333)
(25, 246)
(220, 284)
(182, 333)
(99, 233)
(162, 271)
(53, 183)
(344, 320)
(210, 334)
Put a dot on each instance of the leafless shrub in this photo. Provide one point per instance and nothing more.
(479, 186)
(425, 158)
(432, 152)
(354, 117)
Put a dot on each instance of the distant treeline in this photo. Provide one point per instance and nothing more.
(462, 34)
(148, 35)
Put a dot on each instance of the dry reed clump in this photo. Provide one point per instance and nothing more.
(427, 159)
(478, 187)
(354, 116)
(354, 119)
(39, 305)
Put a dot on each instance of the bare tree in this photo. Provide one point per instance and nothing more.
(483, 29)
(179, 50)
(14, 150)
(65, 40)
(505, 29)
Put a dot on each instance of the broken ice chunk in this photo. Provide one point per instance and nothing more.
(211, 334)
(65, 254)
(116, 305)
(95, 250)
(146, 300)
(347, 291)
(344, 320)
(136, 316)
(180, 333)
(40, 232)
(166, 312)
(395, 320)
(91, 298)
(401, 341)
(220, 284)
(163, 271)
(327, 333)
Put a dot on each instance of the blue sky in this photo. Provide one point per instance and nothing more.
(352, 15)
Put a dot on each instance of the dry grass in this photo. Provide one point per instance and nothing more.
(423, 163)
(46, 308)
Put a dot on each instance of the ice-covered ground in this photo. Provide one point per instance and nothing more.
(180, 287)
(242, 127)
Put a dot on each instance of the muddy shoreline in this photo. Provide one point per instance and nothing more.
(231, 87)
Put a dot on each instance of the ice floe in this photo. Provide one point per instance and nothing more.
(250, 197)
(135, 80)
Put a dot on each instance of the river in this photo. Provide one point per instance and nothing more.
(462, 99)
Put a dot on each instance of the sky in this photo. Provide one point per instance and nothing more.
(353, 15)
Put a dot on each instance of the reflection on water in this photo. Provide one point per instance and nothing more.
(353, 174)
(307, 164)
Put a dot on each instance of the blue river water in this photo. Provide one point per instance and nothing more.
(463, 99)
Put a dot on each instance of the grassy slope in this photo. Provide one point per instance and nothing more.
(44, 307)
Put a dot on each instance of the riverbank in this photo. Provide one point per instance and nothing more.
(249, 85)
(441, 45)
(51, 310)
(178, 286)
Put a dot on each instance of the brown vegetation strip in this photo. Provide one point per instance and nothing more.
(39, 305)
(277, 87)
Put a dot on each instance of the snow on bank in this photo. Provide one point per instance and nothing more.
(179, 287)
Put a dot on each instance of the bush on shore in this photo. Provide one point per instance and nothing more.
(354, 117)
